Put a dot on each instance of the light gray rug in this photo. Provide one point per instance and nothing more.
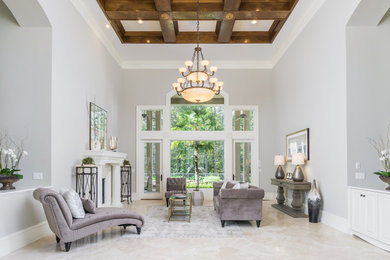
(204, 223)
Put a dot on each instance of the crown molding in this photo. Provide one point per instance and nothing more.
(298, 28)
(223, 64)
(96, 27)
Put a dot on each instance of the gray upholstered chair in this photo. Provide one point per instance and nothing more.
(68, 229)
(175, 186)
(238, 204)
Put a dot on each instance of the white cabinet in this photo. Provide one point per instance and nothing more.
(369, 215)
(384, 217)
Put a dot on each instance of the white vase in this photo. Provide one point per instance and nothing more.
(197, 198)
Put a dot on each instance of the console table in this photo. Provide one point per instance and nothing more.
(298, 189)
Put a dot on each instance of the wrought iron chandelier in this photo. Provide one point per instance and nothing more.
(198, 84)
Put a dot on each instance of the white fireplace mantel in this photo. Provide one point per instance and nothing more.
(108, 163)
(106, 157)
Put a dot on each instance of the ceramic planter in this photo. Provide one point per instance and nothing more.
(197, 198)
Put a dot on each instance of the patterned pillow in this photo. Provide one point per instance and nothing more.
(74, 203)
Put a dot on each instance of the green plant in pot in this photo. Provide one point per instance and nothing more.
(88, 161)
(126, 163)
(383, 150)
(10, 156)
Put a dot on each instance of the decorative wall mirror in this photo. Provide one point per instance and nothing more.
(97, 127)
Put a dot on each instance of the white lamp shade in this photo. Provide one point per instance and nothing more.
(298, 159)
(198, 94)
(279, 160)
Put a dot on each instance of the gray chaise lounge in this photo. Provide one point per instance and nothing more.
(68, 229)
(238, 204)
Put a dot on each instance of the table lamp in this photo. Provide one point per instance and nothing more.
(279, 161)
(298, 159)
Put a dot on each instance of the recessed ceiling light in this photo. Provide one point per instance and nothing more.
(140, 21)
(254, 22)
(147, 41)
(107, 26)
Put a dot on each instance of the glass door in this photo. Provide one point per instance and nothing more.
(152, 176)
(242, 163)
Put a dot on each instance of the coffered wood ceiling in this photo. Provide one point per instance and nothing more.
(224, 12)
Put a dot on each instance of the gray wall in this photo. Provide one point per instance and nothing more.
(310, 92)
(25, 93)
(245, 87)
(368, 92)
(83, 72)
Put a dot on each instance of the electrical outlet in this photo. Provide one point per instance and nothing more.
(360, 175)
(37, 176)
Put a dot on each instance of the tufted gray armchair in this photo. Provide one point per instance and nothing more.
(175, 186)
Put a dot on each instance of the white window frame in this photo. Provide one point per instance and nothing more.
(165, 136)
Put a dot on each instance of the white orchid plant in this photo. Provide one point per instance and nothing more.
(383, 149)
(10, 156)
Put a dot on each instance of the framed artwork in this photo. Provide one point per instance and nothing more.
(97, 127)
(298, 142)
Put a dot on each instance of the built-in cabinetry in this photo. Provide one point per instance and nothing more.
(369, 215)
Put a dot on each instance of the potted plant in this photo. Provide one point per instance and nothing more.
(87, 161)
(383, 150)
(126, 163)
(10, 156)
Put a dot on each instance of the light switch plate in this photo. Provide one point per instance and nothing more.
(360, 175)
(37, 176)
(357, 165)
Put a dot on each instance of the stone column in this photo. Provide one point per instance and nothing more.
(116, 185)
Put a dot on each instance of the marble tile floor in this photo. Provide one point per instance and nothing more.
(279, 237)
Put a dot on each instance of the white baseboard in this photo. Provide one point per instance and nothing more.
(335, 222)
(269, 195)
(21, 238)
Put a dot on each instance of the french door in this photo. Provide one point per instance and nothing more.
(151, 168)
(243, 160)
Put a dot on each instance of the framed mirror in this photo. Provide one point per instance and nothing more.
(97, 127)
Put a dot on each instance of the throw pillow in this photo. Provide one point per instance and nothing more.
(74, 203)
(244, 185)
(230, 184)
(89, 206)
(237, 186)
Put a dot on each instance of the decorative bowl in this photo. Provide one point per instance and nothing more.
(386, 180)
(7, 181)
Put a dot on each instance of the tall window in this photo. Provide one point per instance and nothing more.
(211, 154)
(224, 138)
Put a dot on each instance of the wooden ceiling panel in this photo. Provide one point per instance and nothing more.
(224, 12)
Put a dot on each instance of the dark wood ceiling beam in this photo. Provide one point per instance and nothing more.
(239, 15)
(207, 6)
(166, 22)
(227, 24)
(119, 29)
(190, 37)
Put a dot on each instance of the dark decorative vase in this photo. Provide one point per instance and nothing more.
(314, 203)
(298, 174)
(386, 180)
(279, 174)
(7, 182)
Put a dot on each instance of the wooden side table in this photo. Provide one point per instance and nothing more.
(298, 189)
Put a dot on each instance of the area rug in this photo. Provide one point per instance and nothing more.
(204, 223)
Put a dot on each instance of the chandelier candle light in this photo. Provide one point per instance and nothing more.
(198, 84)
